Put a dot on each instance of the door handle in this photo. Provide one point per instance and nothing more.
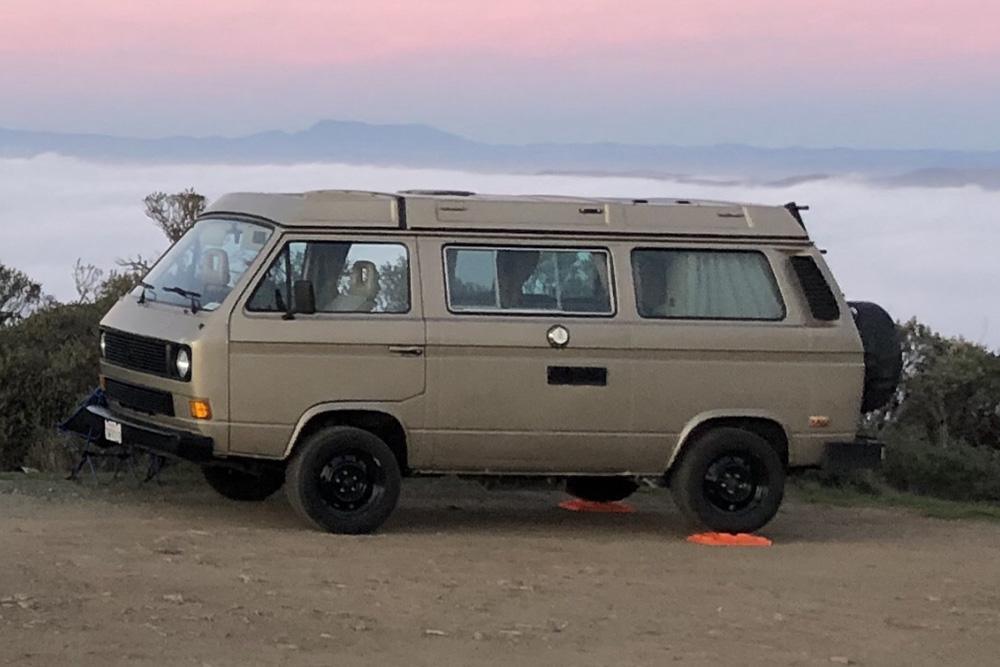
(407, 350)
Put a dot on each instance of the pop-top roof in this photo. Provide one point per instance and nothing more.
(458, 210)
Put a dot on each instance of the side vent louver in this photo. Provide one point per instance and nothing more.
(822, 302)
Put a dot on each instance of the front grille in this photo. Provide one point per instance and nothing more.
(142, 399)
(148, 355)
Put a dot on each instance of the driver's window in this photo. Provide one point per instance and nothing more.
(344, 277)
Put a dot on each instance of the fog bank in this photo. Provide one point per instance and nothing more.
(929, 252)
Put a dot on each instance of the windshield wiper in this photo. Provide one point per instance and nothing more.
(145, 287)
(194, 296)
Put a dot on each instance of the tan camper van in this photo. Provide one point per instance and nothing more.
(335, 342)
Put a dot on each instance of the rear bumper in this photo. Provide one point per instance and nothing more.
(89, 421)
(858, 454)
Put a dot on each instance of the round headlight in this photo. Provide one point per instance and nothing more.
(183, 362)
(104, 345)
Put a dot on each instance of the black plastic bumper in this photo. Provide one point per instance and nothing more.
(858, 454)
(89, 421)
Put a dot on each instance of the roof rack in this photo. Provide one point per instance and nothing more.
(796, 211)
(464, 211)
(439, 193)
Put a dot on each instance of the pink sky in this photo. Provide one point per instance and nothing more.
(573, 60)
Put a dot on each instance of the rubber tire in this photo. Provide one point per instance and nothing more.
(601, 489)
(686, 481)
(883, 353)
(311, 456)
(243, 486)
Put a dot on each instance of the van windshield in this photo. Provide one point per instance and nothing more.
(202, 268)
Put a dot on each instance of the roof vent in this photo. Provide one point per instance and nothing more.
(439, 193)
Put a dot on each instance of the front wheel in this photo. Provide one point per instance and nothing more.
(729, 480)
(344, 480)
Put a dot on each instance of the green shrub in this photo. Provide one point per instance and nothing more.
(912, 464)
(955, 472)
(868, 482)
(48, 362)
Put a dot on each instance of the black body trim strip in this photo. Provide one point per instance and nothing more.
(586, 376)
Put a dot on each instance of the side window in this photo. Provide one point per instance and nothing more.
(345, 278)
(705, 284)
(528, 279)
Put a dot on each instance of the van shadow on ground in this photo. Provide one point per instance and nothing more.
(449, 506)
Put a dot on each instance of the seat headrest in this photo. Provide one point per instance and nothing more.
(364, 279)
(213, 269)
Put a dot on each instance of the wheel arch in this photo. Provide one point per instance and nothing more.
(373, 418)
(761, 423)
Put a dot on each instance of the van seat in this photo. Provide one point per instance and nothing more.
(362, 292)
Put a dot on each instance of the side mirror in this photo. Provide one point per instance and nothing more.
(304, 297)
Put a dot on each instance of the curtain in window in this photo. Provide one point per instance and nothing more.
(733, 285)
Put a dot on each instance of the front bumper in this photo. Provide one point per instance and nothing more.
(858, 454)
(88, 421)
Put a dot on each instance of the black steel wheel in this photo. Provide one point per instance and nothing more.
(241, 485)
(735, 483)
(344, 480)
(728, 480)
(351, 480)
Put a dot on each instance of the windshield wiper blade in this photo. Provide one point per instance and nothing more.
(194, 296)
(145, 287)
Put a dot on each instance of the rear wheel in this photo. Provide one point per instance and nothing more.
(344, 480)
(728, 480)
(601, 489)
(243, 486)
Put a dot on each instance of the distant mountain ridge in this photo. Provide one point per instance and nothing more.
(414, 145)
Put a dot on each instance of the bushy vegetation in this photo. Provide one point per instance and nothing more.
(942, 427)
(949, 394)
(49, 350)
(48, 361)
(958, 472)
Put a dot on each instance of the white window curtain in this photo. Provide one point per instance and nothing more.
(732, 285)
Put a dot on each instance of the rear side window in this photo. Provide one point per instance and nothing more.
(822, 303)
(346, 277)
(483, 279)
(705, 284)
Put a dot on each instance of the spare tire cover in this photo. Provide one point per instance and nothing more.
(883, 353)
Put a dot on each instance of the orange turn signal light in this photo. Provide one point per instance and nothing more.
(819, 421)
(200, 409)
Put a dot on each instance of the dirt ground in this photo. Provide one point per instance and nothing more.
(172, 574)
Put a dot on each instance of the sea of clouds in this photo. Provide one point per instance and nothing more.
(928, 252)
